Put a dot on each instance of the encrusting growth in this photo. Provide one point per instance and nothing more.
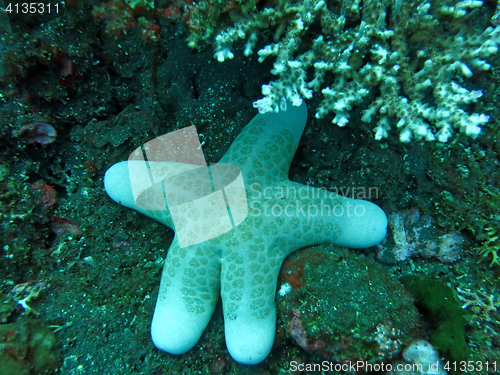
(406, 64)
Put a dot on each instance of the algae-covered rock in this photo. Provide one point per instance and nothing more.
(27, 348)
(345, 307)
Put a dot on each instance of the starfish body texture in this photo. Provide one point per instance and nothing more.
(242, 264)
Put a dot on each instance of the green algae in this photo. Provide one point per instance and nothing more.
(437, 302)
(28, 348)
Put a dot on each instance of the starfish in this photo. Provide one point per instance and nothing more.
(270, 217)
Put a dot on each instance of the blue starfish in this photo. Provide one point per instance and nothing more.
(242, 264)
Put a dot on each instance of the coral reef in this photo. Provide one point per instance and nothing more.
(390, 58)
(421, 359)
(490, 248)
(109, 75)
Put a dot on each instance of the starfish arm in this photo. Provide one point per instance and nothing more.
(188, 294)
(141, 186)
(248, 287)
(266, 146)
(249, 339)
(118, 183)
(342, 221)
(310, 216)
(363, 224)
